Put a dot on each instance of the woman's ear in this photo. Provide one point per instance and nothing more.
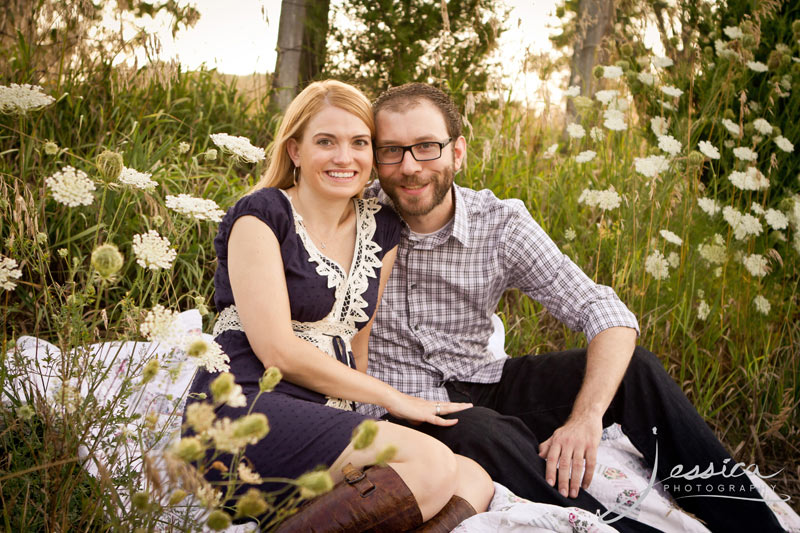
(294, 151)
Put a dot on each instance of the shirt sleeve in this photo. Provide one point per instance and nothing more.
(538, 268)
(389, 228)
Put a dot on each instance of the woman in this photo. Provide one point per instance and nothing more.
(302, 264)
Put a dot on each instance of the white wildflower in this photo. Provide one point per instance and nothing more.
(674, 259)
(597, 134)
(659, 126)
(714, 253)
(606, 96)
(238, 146)
(757, 209)
(666, 105)
(731, 126)
(669, 144)
(784, 143)
(8, 271)
(614, 120)
(651, 166)
(776, 219)
(248, 476)
(662, 62)
(751, 179)
(646, 78)
(671, 237)
(757, 139)
(570, 234)
(183, 147)
(756, 264)
(743, 225)
(134, 178)
(620, 104)
(575, 131)
(161, 325)
(669, 90)
(762, 305)
(708, 205)
(722, 50)
(708, 149)
(199, 208)
(605, 200)
(656, 265)
(71, 187)
(551, 151)
(153, 251)
(573, 91)
(208, 354)
(233, 436)
(733, 32)
(20, 99)
(703, 310)
(762, 126)
(612, 72)
(757, 66)
(585, 156)
(745, 154)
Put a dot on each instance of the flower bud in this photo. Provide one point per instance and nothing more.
(774, 60)
(177, 496)
(200, 416)
(189, 449)
(107, 261)
(313, 484)
(110, 164)
(218, 520)
(50, 148)
(582, 102)
(364, 434)
(626, 49)
(270, 379)
(251, 503)
(796, 28)
(141, 501)
(729, 114)
(41, 238)
(222, 386)
(25, 411)
(695, 158)
(253, 426)
(210, 155)
(200, 304)
(183, 147)
(597, 71)
(624, 65)
(150, 370)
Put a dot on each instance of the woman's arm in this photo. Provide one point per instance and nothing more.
(255, 268)
(360, 342)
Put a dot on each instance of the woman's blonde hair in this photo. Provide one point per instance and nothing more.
(308, 103)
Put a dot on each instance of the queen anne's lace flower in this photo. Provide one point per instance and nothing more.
(575, 131)
(585, 156)
(751, 179)
(656, 265)
(209, 354)
(745, 154)
(708, 205)
(238, 146)
(71, 187)
(153, 251)
(199, 208)
(714, 252)
(612, 72)
(161, 325)
(757, 209)
(659, 126)
(671, 237)
(551, 151)
(614, 120)
(573, 91)
(22, 98)
(731, 126)
(651, 166)
(8, 271)
(606, 96)
(669, 90)
(733, 32)
(762, 305)
(597, 134)
(743, 225)
(762, 126)
(776, 219)
(248, 476)
(669, 144)
(708, 149)
(756, 264)
(757, 66)
(784, 143)
(605, 200)
(134, 178)
(702, 310)
(662, 62)
(646, 78)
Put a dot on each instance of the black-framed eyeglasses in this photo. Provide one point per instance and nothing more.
(424, 151)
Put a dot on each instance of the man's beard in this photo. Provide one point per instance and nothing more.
(442, 184)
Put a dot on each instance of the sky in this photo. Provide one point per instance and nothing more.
(242, 39)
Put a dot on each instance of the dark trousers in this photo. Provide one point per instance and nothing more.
(535, 396)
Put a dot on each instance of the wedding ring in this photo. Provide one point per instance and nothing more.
(438, 409)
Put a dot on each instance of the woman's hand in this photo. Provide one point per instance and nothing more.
(418, 410)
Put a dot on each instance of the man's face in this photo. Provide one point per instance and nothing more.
(418, 188)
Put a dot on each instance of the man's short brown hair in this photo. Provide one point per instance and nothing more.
(408, 95)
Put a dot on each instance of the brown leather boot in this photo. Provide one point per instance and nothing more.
(453, 513)
(375, 499)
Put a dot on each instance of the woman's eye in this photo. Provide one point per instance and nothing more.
(324, 142)
(361, 142)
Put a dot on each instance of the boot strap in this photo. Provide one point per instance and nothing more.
(358, 479)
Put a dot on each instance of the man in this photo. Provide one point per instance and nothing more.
(536, 421)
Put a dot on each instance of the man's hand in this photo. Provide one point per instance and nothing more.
(567, 449)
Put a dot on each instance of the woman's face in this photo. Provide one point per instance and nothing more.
(334, 154)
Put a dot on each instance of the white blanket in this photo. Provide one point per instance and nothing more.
(620, 475)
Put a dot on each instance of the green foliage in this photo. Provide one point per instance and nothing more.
(399, 41)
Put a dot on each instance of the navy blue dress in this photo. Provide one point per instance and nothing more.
(304, 432)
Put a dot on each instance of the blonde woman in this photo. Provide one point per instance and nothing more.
(302, 263)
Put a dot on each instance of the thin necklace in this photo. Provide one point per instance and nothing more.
(313, 235)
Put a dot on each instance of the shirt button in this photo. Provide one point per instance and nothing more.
(412, 286)
(415, 327)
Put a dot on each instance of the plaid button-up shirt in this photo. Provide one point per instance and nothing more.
(434, 320)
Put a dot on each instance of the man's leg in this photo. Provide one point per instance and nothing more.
(507, 449)
(540, 390)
